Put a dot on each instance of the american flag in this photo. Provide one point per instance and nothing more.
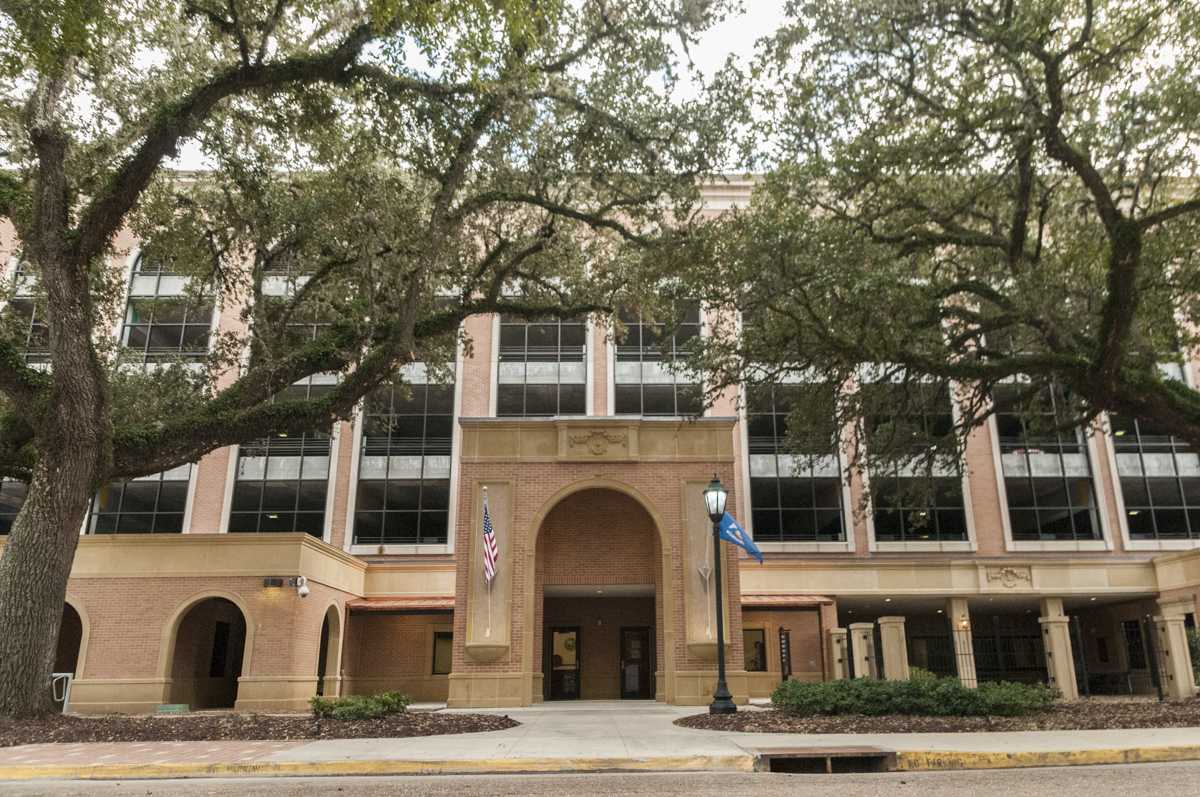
(491, 553)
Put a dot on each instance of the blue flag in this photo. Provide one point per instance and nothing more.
(732, 532)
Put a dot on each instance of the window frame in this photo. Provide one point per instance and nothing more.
(1025, 446)
(642, 355)
(771, 446)
(416, 377)
(502, 355)
(305, 448)
(961, 479)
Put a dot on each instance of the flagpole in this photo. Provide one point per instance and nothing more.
(487, 631)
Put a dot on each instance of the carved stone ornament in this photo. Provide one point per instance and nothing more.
(1010, 577)
(597, 441)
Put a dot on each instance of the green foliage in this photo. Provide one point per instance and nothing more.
(924, 694)
(960, 195)
(359, 707)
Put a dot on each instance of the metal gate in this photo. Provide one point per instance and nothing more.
(1006, 651)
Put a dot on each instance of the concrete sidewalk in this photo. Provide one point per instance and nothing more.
(582, 737)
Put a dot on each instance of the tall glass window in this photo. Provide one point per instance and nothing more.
(12, 496)
(911, 506)
(148, 505)
(1160, 481)
(1047, 472)
(25, 323)
(163, 322)
(794, 496)
(282, 480)
(404, 462)
(543, 368)
(648, 379)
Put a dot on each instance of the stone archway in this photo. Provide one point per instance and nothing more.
(329, 656)
(70, 642)
(206, 654)
(598, 599)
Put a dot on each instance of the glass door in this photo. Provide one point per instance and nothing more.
(562, 665)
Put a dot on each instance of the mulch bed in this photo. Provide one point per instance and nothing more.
(240, 727)
(1083, 715)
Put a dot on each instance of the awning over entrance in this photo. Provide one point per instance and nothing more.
(407, 603)
(782, 600)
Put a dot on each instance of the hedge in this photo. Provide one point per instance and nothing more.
(359, 707)
(927, 696)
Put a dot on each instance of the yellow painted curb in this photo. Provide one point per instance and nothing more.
(736, 763)
(953, 759)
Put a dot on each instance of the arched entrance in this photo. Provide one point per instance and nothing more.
(328, 656)
(70, 641)
(206, 658)
(598, 598)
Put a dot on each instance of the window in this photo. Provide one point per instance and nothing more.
(282, 480)
(911, 506)
(12, 496)
(794, 497)
(543, 369)
(443, 652)
(162, 321)
(1134, 644)
(148, 505)
(754, 647)
(1160, 481)
(1047, 474)
(163, 330)
(25, 325)
(404, 462)
(647, 379)
(908, 513)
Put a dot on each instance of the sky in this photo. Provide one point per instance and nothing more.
(735, 36)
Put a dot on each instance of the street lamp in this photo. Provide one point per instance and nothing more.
(714, 502)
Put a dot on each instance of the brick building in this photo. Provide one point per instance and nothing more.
(1073, 560)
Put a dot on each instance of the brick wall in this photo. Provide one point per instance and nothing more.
(391, 652)
(536, 484)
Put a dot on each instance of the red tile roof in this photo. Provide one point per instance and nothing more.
(783, 599)
(405, 603)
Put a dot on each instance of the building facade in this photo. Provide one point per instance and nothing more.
(1072, 559)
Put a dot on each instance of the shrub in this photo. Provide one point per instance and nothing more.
(359, 707)
(925, 695)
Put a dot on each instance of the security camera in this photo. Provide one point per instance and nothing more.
(302, 586)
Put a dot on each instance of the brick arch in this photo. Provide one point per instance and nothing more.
(85, 630)
(166, 649)
(664, 598)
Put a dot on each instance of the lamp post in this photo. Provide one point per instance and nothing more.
(714, 501)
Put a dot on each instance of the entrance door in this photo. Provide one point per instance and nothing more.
(562, 663)
(637, 663)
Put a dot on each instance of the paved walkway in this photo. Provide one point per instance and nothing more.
(580, 737)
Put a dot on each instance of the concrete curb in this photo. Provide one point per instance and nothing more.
(728, 763)
(909, 761)
(930, 760)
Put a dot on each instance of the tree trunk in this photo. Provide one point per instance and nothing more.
(33, 581)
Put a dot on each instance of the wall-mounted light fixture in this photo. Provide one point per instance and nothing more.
(299, 582)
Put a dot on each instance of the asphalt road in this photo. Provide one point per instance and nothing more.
(1165, 780)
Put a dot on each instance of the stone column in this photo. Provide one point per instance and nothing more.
(1056, 640)
(895, 648)
(862, 643)
(839, 666)
(1175, 660)
(960, 636)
